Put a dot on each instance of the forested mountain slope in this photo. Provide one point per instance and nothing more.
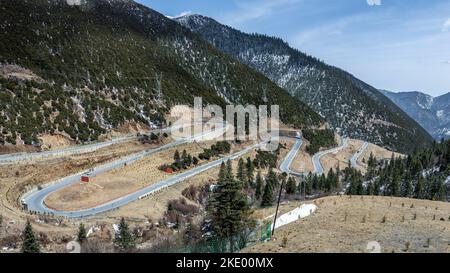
(83, 67)
(351, 106)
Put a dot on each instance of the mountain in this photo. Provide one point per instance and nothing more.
(352, 107)
(83, 67)
(433, 113)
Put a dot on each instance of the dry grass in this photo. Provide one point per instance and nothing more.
(378, 152)
(344, 224)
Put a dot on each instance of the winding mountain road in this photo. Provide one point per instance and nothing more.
(12, 158)
(35, 199)
(285, 165)
(357, 155)
(318, 168)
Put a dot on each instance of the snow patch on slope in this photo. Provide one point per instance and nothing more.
(73, 2)
(296, 214)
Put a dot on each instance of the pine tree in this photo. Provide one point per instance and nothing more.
(29, 242)
(184, 159)
(222, 173)
(250, 171)
(291, 186)
(376, 187)
(407, 187)
(420, 188)
(195, 160)
(124, 238)
(329, 184)
(322, 182)
(309, 185)
(442, 193)
(82, 234)
(356, 184)
(267, 198)
(395, 186)
(272, 179)
(229, 171)
(259, 186)
(177, 158)
(228, 209)
(370, 189)
(241, 171)
(315, 182)
(372, 163)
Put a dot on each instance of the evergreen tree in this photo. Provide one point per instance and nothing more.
(184, 155)
(241, 174)
(124, 238)
(259, 186)
(395, 186)
(330, 181)
(267, 198)
(177, 159)
(250, 171)
(82, 234)
(376, 187)
(272, 179)
(356, 183)
(315, 182)
(195, 160)
(309, 185)
(301, 186)
(442, 193)
(291, 186)
(370, 189)
(222, 173)
(322, 182)
(29, 242)
(228, 209)
(229, 171)
(371, 167)
(420, 188)
(407, 188)
(184, 159)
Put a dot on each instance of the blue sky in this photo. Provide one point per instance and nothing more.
(399, 45)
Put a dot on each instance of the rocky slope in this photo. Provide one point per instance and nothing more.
(433, 113)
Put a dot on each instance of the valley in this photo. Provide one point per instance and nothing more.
(76, 198)
(281, 152)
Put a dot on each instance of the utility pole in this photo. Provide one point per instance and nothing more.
(278, 205)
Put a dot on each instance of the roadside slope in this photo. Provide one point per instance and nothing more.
(349, 223)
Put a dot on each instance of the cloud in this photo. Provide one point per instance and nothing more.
(252, 10)
(328, 32)
(374, 2)
(184, 13)
(446, 25)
